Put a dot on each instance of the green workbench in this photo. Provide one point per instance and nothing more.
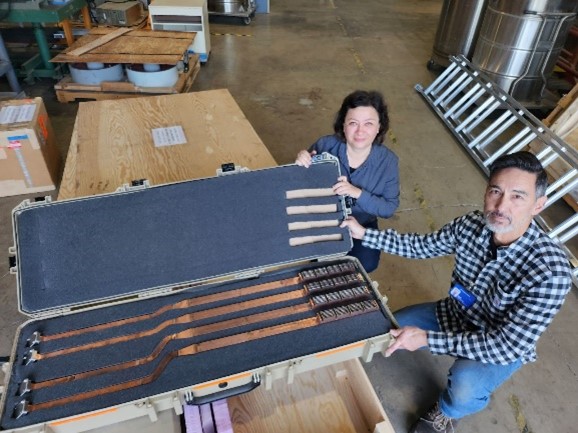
(40, 65)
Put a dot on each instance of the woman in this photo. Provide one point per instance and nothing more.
(370, 172)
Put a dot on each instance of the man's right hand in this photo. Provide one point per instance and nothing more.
(409, 338)
(304, 158)
(357, 230)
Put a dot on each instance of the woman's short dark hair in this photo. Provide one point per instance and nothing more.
(524, 161)
(362, 98)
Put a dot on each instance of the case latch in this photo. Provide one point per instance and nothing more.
(134, 185)
(323, 157)
(231, 168)
(38, 201)
(12, 261)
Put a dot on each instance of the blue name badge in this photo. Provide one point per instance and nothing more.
(460, 294)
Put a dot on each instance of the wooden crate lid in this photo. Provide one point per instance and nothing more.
(134, 46)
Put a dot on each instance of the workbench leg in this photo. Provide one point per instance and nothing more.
(43, 47)
(68, 35)
(10, 74)
(86, 18)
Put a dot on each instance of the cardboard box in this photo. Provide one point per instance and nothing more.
(29, 159)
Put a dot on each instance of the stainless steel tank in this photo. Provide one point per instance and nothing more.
(520, 41)
(457, 31)
(228, 6)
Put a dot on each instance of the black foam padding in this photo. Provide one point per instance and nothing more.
(181, 372)
(88, 250)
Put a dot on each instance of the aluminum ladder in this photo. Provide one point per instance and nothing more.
(489, 123)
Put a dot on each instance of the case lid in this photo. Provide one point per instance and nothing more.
(75, 253)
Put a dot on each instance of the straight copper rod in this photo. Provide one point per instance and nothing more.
(304, 225)
(310, 193)
(319, 208)
(305, 240)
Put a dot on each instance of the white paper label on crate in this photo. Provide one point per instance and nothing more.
(169, 136)
(17, 113)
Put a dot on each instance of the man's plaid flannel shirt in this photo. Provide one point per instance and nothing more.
(517, 293)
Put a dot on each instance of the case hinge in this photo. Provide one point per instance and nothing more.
(268, 379)
(247, 275)
(177, 405)
(150, 409)
(368, 351)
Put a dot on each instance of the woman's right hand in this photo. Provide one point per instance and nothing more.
(304, 158)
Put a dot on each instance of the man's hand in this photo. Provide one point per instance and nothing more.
(356, 229)
(409, 338)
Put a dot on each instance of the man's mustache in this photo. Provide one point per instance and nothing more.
(498, 214)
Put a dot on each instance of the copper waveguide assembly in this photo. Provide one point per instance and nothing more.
(330, 293)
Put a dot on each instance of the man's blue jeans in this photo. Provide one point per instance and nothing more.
(470, 383)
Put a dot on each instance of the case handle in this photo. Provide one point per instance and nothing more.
(191, 400)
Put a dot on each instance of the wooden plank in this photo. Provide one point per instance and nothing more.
(555, 170)
(151, 46)
(98, 42)
(163, 59)
(65, 96)
(112, 142)
(566, 121)
(142, 33)
(140, 46)
(562, 104)
(563, 121)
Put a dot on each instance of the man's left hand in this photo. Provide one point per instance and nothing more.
(409, 338)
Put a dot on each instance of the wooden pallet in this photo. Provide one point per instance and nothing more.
(68, 91)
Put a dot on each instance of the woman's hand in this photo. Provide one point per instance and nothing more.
(304, 158)
(343, 187)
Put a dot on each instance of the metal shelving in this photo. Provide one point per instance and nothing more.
(489, 123)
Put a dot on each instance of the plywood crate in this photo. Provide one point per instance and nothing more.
(336, 398)
(29, 159)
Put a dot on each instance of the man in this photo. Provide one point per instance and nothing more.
(509, 281)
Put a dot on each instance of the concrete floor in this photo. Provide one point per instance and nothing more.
(289, 71)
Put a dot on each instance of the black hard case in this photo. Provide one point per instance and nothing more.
(103, 258)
